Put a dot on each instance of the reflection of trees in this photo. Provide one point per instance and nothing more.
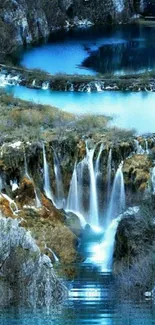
(127, 56)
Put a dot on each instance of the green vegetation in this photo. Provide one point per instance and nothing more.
(28, 121)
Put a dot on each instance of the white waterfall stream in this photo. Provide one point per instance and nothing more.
(102, 253)
(153, 179)
(47, 186)
(138, 148)
(97, 164)
(93, 200)
(119, 5)
(25, 166)
(60, 196)
(73, 201)
(146, 147)
(117, 200)
(109, 169)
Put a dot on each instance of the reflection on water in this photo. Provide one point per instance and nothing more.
(129, 109)
(93, 299)
(122, 49)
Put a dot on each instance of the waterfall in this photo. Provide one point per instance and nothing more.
(153, 179)
(119, 5)
(93, 206)
(71, 87)
(47, 186)
(109, 168)
(45, 85)
(25, 166)
(12, 204)
(117, 201)
(142, 6)
(14, 185)
(56, 260)
(146, 147)
(33, 83)
(98, 86)
(138, 148)
(37, 201)
(60, 197)
(97, 164)
(74, 198)
(73, 203)
(102, 253)
(1, 184)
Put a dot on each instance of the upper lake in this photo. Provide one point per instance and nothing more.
(119, 50)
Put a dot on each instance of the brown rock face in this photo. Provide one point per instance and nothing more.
(26, 21)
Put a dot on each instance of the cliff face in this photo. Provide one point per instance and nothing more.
(26, 21)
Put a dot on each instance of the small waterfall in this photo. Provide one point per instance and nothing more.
(109, 169)
(146, 147)
(88, 89)
(153, 179)
(74, 198)
(138, 148)
(14, 185)
(12, 204)
(56, 260)
(117, 201)
(45, 85)
(97, 164)
(142, 6)
(60, 197)
(71, 87)
(38, 202)
(93, 207)
(102, 253)
(119, 5)
(73, 203)
(33, 83)
(25, 166)
(98, 86)
(47, 186)
(1, 184)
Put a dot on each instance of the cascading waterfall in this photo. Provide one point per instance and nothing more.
(12, 204)
(45, 85)
(146, 147)
(153, 179)
(1, 184)
(93, 207)
(109, 169)
(97, 164)
(73, 200)
(117, 201)
(138, 148)
(98, 86)
(38, 202)
(73, 196)
(119, 5)
(102, 253)
(142, 6)
(60, 197)
(25, 166)
(47, 186)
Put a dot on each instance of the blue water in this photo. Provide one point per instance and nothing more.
(122, 49)
(129, 110)
(93, 299)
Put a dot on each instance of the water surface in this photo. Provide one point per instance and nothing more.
(118, 50)
(128, 109)
(93, 300)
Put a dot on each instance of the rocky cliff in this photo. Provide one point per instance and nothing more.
(27, 21)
